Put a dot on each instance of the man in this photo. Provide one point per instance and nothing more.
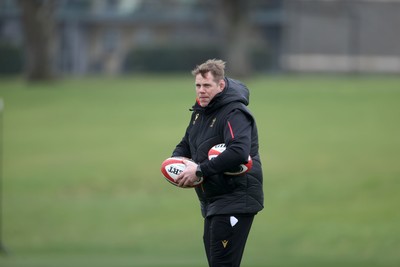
(228, 203)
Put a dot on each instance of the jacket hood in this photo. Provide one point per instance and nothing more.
(234, 91)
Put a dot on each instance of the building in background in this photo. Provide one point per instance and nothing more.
(361, 36)
(117, 36)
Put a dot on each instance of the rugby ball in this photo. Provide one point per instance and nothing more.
(216, 150)
(172, 167)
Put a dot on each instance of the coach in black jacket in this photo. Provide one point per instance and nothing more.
(228, 203)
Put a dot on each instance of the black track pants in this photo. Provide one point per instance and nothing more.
(225, 238)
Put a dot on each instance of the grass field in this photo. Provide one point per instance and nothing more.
(82, 185)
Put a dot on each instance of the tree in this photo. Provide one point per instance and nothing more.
(37, 19)
(234, 25)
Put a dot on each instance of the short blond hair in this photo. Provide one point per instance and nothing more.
(215, 66)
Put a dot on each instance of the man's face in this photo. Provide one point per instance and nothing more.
(207, 88)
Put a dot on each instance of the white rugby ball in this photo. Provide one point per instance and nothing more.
(172, 167)
(216, 150)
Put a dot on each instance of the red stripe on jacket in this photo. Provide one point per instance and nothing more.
(230, 129)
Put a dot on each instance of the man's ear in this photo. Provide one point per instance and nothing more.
(221, 84)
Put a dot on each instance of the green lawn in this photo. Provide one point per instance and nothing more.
(82, 183)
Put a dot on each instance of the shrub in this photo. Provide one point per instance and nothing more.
(11, 59)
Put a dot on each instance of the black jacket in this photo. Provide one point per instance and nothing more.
(225, 120)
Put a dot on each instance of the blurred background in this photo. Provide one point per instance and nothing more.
(94, 95)
(113, 37)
